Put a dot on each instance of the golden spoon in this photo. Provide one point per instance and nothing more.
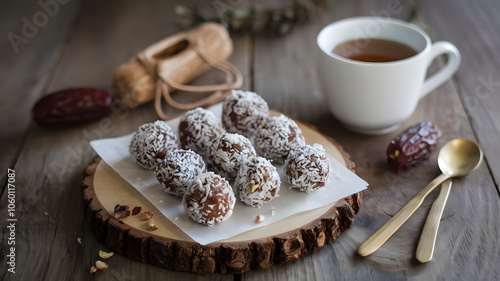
(425, 248)
(455, 159)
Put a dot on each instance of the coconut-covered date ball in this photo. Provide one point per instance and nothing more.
(198, 128)
(277, 137)
(151, 143)
(307, 168)
(244, 112)
(258, 182)
(228, 152)
(178, 170)
(209, 199)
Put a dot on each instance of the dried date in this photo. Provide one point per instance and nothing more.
(71, 107)
(413, 145)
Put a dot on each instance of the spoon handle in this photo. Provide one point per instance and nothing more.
(391, 226)
(425, 248)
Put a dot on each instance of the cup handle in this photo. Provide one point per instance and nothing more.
(437, 49)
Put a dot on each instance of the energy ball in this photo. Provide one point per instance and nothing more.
(228, 152)
(307, 168)
(244, 112)
(209, 199)
(179, 168)
(151, 143)
(198, 128)
(258, 182)
(277, 137)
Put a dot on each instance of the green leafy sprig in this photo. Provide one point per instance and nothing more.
(256, 20)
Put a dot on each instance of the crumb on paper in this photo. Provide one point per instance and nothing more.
(260, 218)
(176, 218)
(273, 213)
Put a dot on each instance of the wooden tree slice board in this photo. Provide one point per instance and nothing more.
(281, 242)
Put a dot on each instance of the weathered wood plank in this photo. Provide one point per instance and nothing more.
(33, 38)
(473, 27)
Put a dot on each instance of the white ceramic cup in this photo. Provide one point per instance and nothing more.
(376, 97)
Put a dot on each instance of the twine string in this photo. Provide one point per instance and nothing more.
(234, 79)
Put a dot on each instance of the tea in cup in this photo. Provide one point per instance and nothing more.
(373, 71)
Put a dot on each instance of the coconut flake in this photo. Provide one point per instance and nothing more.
(307, 168)
(277, 138)
(178, 170)
(228, 152)
(151, 143)
(244, 112)
(258, 182)
(206, 189)
(198, 128)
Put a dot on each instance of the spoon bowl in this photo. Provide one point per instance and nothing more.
(459, 157)
(456, 158)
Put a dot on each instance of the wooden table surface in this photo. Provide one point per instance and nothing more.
(81, 43)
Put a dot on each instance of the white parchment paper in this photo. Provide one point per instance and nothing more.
(115, 152)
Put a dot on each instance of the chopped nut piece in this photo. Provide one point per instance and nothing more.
(101, 266)
(253, 187)
(93, 269)
(121, 211)
(146, 215)
(151, 225)
(122, 214)
(136, 210)
(105, 255)
(119, 207)
(260, 218)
